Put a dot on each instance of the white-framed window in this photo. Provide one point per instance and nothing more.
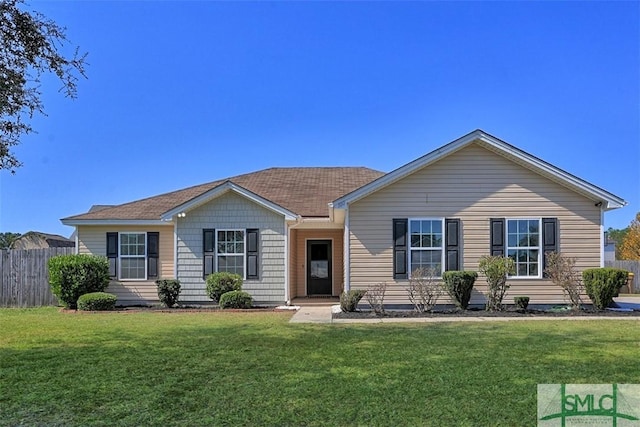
(230, 253)
(426, 246)
(524, 240)
(133, 256)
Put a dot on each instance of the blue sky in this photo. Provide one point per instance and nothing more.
(182, 93)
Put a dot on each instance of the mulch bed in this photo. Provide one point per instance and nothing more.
(484, 313)
(156, 309)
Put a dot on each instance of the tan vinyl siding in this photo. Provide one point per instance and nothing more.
(474, 185)
(299, 277)
(93, 240)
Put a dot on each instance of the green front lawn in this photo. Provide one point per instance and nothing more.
(257, 369)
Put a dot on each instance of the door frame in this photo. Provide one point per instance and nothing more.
(306, 262)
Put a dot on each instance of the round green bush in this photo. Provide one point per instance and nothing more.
(73, 275)
(97, 301)
(221, 283)
(236, 299)
(521, 302)
(459, 284)
(168, 291)
(603, 284)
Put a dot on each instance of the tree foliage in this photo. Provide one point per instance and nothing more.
(618, 237)
(7, 239)
(630, 247)
(31, 46)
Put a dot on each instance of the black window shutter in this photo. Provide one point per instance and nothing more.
(549, 239)
(400, 248)
(252, 253)
(209, 251)
(497, 237)
(112, 254)
(153, 253)
(452, 244)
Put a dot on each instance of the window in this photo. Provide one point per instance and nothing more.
(425, 240)
(233, 251)
(523, 245)
(230, 251)
(133, 251)
(133, 256)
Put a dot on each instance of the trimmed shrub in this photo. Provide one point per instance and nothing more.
(97, 301)
(602, 284)
(349, 300)
(459, 284)
(236, 299)
(521, 302)
(71, 276)
(168, 291)
(220, 283)
(496, 269)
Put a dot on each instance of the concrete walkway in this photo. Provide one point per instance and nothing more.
(322, 314)
(312, 314)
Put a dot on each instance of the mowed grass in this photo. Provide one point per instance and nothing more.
(256, 369)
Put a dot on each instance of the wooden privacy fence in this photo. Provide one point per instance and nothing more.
(631, 266)
(24, 277)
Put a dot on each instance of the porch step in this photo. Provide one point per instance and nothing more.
(316, 301)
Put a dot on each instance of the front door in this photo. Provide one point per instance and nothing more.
(319, 267)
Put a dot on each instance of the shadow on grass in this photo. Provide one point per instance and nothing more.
(193, 369)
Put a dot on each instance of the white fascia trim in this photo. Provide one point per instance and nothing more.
(221, 189)
(602, 242)
(287, 237)
(598, 194)
(77, 222)
(346, 254)
(612, 201)
(175, 250)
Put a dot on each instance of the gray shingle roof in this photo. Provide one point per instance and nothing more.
(305, 191)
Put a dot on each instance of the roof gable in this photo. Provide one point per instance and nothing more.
(301, 191)
(609, 201)
(223, 189)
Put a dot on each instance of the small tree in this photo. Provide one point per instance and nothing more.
(630, 247)
(222, 282)
(375, 297)
(424, 288)
(71, 276)
(562, 272)
(496, 270)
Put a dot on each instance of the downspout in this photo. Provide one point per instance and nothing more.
(347, 254)
(77, 241)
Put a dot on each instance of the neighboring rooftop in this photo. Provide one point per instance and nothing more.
(304, 191)
(39, 240)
